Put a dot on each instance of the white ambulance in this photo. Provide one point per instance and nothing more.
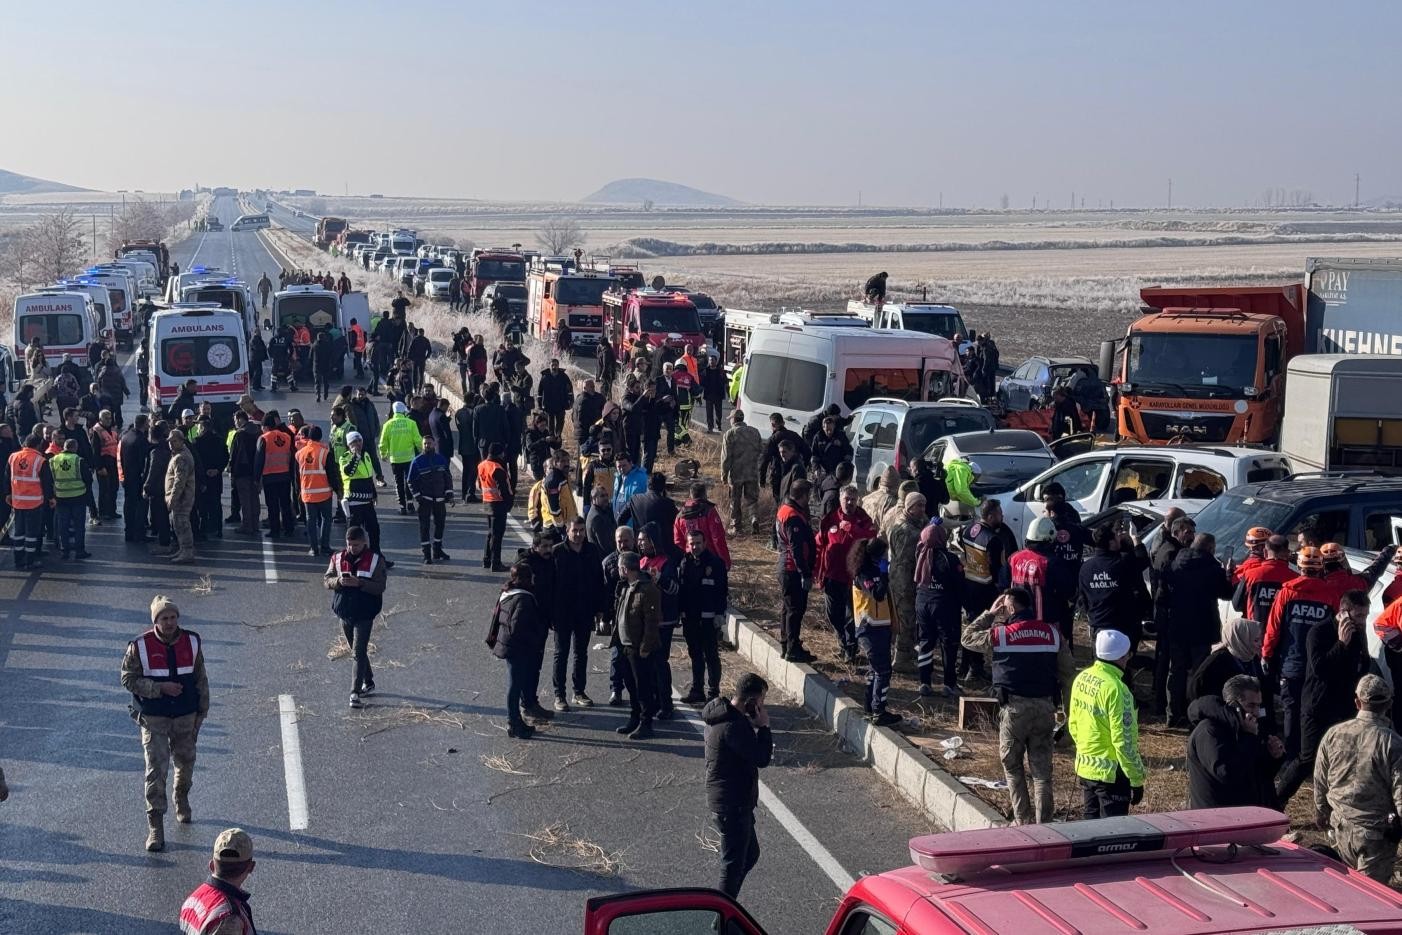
(64, 322)
(201, 342)
(123, 297)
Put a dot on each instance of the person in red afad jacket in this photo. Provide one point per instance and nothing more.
(1301, 604)
(1256, 540)
(839, 531)
(1337, 570)
(701, 514)
(1388, 627)
(1256, 591)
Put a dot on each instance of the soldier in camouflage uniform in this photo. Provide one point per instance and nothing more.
(884, 496)
(180, 496)
(740, 451)
(1358, 782)
(904, 537)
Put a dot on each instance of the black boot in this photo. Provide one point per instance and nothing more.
(631, 726)
(428, 556)
(439, 554)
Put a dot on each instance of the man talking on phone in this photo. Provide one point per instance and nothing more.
(738, 745)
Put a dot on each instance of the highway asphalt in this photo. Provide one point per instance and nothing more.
(420, 814)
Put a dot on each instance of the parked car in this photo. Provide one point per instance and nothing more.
(1106, 477)
(435, 282)
(404, 270)
(1030, 385)
(1006, 457)
(515, 293)
(886, 432)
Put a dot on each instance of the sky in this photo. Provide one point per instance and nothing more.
(903, 104)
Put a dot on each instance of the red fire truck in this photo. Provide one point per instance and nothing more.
(651, 318)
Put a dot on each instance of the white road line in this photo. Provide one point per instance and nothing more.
(796, 829)
(198, 247)
(297, 816)
(269, 562)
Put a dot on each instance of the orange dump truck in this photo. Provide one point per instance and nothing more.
(1208, 364)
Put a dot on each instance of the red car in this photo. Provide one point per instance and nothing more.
(1203, 872)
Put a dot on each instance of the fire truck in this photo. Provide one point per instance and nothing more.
(651, 319)
(495, 264)
(327, 230)
(557, 294)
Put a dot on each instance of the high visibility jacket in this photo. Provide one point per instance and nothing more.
(338, 439)
(400, 439)
(108, 441)
(301, 336)
(487, 481)
(538, 506)
(357, 338)
(1263, 582)
(736, 379)
(959, 478)
(26, 490)
(1388, 626)
(1105, 725)
(311, 467)
(359, 476)
(207, 908)
(170, 663)
(868, 611)
(68, 476)
(277, 452)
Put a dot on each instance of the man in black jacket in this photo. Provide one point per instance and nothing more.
(1180, 531)
(465, 419)
(738, 745)
(132, 451)
(777, 434)
(713, 388)
(1198, 581)
(556, 395)
(830, 446)
(588, 409)
(1230, 763)
(651, 506)
(579, 594)
(1111, 585)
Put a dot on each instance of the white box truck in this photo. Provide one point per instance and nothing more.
(1342, 412)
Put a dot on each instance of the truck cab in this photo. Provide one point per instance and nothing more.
(1208, 365)
(328, 229)
(489, 266)
(557, 294)
(652, 320)
(1203, 872)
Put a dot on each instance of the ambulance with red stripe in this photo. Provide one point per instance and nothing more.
(65, 322)
(202, 342)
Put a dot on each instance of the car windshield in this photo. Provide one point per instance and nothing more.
(924, 426)
(500, 269)
(994, 442)
(440, 275)
(1004, 472)
(1192, 364)
(1230, 515)
(200, 356)
(581, 291)
(944, 324)
(52, 330)
(227, 298)
(298, 309)
(512, 293)
(669, 320)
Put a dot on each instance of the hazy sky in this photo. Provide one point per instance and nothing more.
(772, 102)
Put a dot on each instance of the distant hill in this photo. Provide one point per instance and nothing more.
(662, 194)
(12, 183)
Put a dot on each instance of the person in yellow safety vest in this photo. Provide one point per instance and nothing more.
(400, 441)
(72, 478)
(319, 476)
(737, 377)
(1105, 726)
(29, 488)
(538, 510)
(959, 477)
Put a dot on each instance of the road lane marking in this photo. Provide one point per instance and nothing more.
(198, 247)
(269, 562)
(297, 816)
(796, 829)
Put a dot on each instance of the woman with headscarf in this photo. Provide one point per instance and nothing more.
(1238, 654)
(939, 601)
(871, 606)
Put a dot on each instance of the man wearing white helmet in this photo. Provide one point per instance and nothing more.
(1105, 726)
(401, 441)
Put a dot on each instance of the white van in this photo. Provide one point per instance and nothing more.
(927, 317)
(252, 222)
(200, 342)
(106, 331)
(64, 322)
(311, 305)
(797, 370)
(147, 269)
(176, 285)
(226, 293)
(122, 297)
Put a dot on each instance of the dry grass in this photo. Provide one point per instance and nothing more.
(204, 587)
(340, 649)
(555, 846)
(503, 764)
(408, 715)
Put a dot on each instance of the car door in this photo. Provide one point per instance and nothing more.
(883, 451)
(863, 439)
(1136, 478)
(1084, 480)
(1039, 385)
(673, 911)
(1015, 390)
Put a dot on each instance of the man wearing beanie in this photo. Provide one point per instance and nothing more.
(164, 671)
(1105, 727)
(1358, 782)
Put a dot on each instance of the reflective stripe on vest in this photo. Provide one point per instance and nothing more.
(107, 440)
(486, 479)
(159, 660)
(205, 908)
(277, 452)
(26, 492)
(311, 463)
(868, 610)
(68, 476)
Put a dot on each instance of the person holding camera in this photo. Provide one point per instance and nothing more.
(738, 745)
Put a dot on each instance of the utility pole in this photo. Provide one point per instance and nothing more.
(941, 201)
(1170, 194)
(94, 236)
(1073, 201)
(1355, 190)
(859, 197)
(1034, 201)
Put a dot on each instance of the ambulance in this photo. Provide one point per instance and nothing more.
(203, 342)
(65, 322)
(122, 297)
(101, 303)
(176, 284)
(227, 293)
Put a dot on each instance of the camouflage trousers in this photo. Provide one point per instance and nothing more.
(743, 493)
(180, 528)
(1025, 728)
(903, 604)
(164, 739)
(1366, 850)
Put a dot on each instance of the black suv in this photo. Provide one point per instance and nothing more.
(1358, 511)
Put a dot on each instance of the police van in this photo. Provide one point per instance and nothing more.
(251, 222)
(64, 321)
(202, 342)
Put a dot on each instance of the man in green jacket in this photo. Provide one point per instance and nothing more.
(400, 442)
(959, 475)
(1105, 726)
